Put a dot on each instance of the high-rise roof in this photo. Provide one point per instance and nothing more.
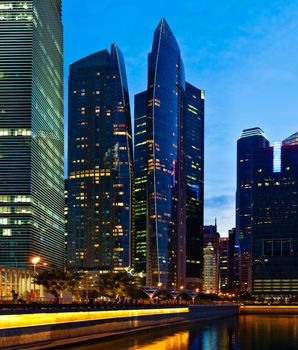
(252, 132)
(291, 140)
(163, 33)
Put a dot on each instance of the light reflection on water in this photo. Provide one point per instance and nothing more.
(243, 333)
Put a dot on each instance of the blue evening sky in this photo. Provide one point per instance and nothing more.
(243, 53)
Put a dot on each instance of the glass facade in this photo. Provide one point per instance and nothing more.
(100, 178)
(31, 132)
(140, 173)
(193, 138)
(223, 264)
(250, 140)
(162, 126)
(275, 222)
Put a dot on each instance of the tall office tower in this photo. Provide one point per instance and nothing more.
(233, 263)
(140, 172)
(275, 220)
(210, 274)
(223, 264)
(193, 142)
(250, 140)
(31, 133)
(211, 240)
(169, 157)
(100, 178)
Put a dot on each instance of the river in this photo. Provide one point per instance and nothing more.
(238, 333)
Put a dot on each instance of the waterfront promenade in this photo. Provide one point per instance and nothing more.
(47, 328)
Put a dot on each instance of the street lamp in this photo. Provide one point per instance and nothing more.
(35, 260)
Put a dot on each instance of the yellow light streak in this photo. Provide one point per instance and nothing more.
(44, 319)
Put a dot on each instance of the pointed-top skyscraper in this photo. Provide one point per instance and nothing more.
(166, 115)
(100, 174)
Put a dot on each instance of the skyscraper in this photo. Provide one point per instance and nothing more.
(169, 167)
(233, 263)
(31, 132)
(250, 140)
(100, 177)
(211, 259)
(275, 220)
(210, 284)
(193, 155)
(224, 264)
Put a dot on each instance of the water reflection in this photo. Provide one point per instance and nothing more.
(243, 333)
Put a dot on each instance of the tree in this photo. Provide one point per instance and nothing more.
(56, 281)
(118, 285)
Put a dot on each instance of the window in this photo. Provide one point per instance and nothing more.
(277, 247)
(267, 248)
(286, 248)
(6, 232)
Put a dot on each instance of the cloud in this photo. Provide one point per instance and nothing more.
(219, 201)
(222, 208)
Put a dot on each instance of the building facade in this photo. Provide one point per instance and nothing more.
(211, 259)
(169, 167)
(224, 264)
(100, 174)
(250, 140)
(210, 284)
(31, 133)
(193, 155)
(18, 284)
(275, 220)
(233, 263)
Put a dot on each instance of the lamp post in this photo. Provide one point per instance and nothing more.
(35, 260)
(194, 294)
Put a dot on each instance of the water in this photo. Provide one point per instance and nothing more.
(238, 333)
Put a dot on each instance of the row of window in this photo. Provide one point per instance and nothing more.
(15, 132)
(277, 247)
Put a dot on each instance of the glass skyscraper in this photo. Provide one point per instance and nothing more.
(250, 140)
(31, 132)
(192, 131)
(100, 174)
(275, 219)
(169, 167)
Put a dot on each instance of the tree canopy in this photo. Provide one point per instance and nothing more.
(56, 281)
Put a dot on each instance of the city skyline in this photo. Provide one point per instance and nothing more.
(251, 54)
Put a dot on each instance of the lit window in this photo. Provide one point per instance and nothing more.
(7, 232)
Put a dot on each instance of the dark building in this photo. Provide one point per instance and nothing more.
(169, 168)
(100, 174)
(275, 219)
(31, 133)
(193, 177)
(250, 140)
(224, 264)
(233, 263)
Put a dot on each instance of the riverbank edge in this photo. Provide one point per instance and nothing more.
(195, 315)
(268, 310)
